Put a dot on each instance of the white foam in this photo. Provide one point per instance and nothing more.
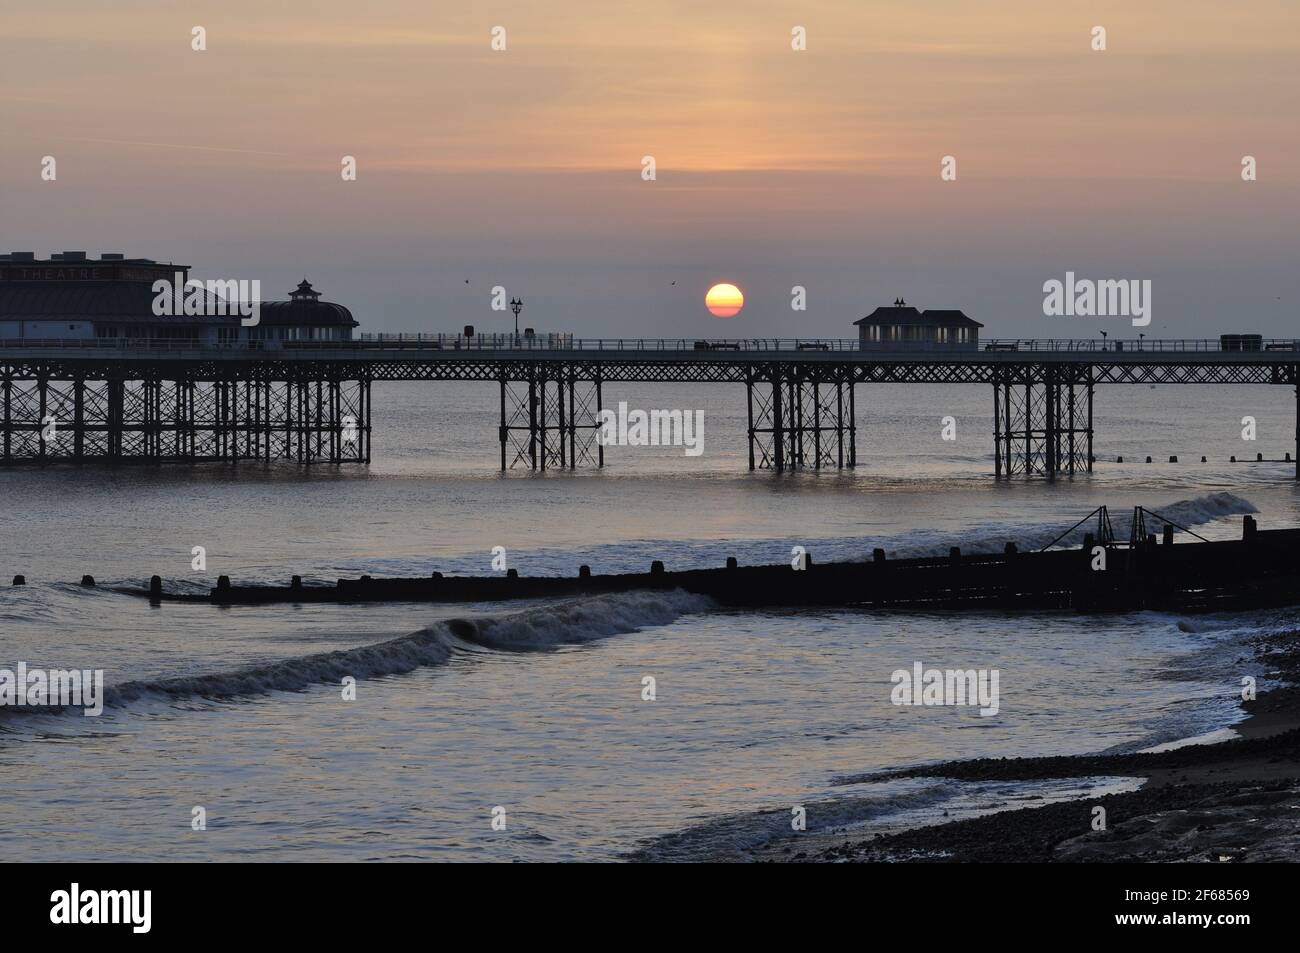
(532, 629)
(1215, 737)
(585, 620)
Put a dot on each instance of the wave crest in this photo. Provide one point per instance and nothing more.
(533, 629)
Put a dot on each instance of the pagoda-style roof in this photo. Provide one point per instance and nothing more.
(304, 290)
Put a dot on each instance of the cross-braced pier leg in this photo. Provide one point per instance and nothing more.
(75, 418)
(1042, 420)
(1295, 378)
(550, 419)
(807, 422)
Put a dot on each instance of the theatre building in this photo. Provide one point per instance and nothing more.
(72, 297)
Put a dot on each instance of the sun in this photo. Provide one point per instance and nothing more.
(724, 300)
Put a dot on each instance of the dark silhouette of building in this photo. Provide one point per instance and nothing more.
(69, 297)
(304, 317)
(902, 325)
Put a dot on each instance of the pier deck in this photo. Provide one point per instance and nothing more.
(123, 401)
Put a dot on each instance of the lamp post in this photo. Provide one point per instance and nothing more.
(516, 305)
(1103, 340)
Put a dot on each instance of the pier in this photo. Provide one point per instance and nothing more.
(119, 401)
(1104, 573)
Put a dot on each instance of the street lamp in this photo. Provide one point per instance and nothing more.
(1103, 340)
(516, 305)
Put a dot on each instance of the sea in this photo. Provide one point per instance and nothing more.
(637, 726)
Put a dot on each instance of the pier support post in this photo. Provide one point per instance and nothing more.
(749, 406)
(78, 418)
(532, 417)
(1090, 386)
(42, 386)
(600, 447)
(1042, 420)
(808, 421)
(572, 431)
(853, 418)
(503, 429)
(554, 423)
(6, 394)
(116, 399)
(997, 427)
(778, 428)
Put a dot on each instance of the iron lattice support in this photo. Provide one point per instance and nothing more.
(550, 418)
(801, 417)
(1295, 380)
(1042, 420)
(158, 419)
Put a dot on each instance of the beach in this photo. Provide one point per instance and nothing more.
(1235, 801)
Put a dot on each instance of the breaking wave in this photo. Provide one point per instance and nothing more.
(533, 629)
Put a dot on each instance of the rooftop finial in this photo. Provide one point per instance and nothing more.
(304, 292)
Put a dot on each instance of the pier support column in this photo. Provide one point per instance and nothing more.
(997, 427)
(778, 426)
(808, 422)
(503, 429)
(532, 418)
(42, 389)
(600, 447)
(850, 384)
(364, 387)
(749, 405)
(1042, 420)
(572, 431)
(78, 419)
(116, 388)
(6, 395)
(1089, 379)
(554, 423)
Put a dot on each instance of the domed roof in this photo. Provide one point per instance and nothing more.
(305, 309)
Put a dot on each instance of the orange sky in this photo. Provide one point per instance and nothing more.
(775, 167)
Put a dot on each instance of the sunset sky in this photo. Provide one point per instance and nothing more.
(775, 167)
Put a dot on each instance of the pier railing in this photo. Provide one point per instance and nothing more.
(700, 346)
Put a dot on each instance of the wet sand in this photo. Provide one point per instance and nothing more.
(1235, 801)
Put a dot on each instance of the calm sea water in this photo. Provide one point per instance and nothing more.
(539, 710)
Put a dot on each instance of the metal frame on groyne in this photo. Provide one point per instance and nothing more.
(81, 402)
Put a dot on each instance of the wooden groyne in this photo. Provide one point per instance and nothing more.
(1261, 569)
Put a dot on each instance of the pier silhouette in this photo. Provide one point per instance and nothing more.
(121, 401)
